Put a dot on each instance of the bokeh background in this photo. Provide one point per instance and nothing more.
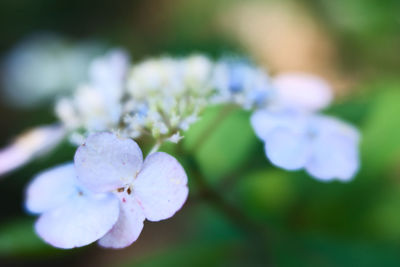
(264, 216)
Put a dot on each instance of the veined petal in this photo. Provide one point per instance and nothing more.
(51, 188)
(288, 149)
(28, 145)
(161, 186)
(106, 162)
(128, 227)
(302, 91)
(80, 221)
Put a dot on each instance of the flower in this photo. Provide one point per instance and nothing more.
(325, 147)
(71, 216)
(96, 105)
(301, 91)
(154, 189)
(44, 66)
(106, 195)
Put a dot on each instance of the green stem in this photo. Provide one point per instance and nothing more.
(155, 147)
(226, 110)
(257, 233)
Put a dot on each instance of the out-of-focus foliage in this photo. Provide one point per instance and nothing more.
(218, 150)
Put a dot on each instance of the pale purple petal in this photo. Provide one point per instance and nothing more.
(335, 150)
(265, 121)
(51, 188)
(329, 125)
(106, 162)
(79, 222)
(302, 91)
(333, 156)
(27, 146)
(128, 227)
(13, 157)
(161, 186)
(288, 149)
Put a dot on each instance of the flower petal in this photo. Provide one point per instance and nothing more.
(51, 188)
(335, 150)
(302, 91)
(333, 157)
(128, 227)
(161, 186)
(106, 162)
(265, 121)
(30, 144)
(288, 149)
(80, 221)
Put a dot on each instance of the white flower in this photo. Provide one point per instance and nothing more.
(96, 105)
(107, 194)
(324, 146)
(71, 216)
(29, 145)
(165, 95)
(154, 189)
(44, 66)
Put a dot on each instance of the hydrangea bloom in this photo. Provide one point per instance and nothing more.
(326, 147)
(154, 189)
(107, 195)
(296, 137)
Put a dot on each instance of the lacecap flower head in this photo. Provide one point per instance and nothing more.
(109, 190)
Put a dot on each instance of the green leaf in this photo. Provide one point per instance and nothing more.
(265, 193)
(228, 143)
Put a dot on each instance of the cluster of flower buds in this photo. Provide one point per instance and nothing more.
(96, 105)
(109, 190)
(165, 95)
(159, 97)
(237, 81)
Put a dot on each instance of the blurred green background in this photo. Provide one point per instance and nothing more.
(263, 216)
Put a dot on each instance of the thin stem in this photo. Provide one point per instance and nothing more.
(155, 147)
(258, 233)
(226, 110)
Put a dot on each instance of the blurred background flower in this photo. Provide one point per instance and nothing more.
(44, 66)
(351, 44)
